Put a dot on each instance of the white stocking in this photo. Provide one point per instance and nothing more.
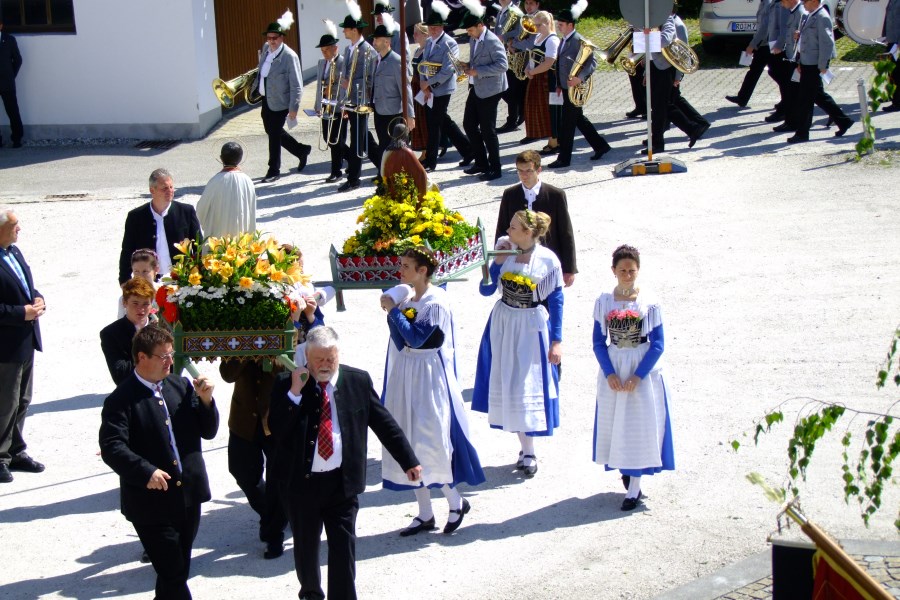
(634, 488)
(527, 443)
(454, 500)
(423, 497)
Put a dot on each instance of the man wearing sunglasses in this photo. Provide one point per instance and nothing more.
(150, 433)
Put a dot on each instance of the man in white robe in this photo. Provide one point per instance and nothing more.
(228, 204)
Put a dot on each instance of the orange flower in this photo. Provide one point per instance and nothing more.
(262, 267)
(194, 279)
(276, 275)
(246, 283)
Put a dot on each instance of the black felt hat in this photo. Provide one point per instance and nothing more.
(435, 19)
(566, 16)
(470, 20)
(327, 40)
(382, 32)
(380, 9)
(350, 23)
(275, 28)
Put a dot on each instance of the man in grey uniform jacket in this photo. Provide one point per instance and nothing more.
(387, 94)
(759, 48)
(816, 51)
(356, 81)
(328, 88)
(281, 87)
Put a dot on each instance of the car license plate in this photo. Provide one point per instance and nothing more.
(748, 27)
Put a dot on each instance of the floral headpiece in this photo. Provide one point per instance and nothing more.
(529, 218)
(426, 254)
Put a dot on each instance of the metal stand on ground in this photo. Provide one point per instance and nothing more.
(645, 166)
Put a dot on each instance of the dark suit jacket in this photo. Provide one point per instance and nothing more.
(18, 338)
(134, 442)
(10, 62)
(551, 200)
(250, 398)
(358, 408)
(140, 232)
(115, 341)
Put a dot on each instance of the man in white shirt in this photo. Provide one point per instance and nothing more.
(228, 204)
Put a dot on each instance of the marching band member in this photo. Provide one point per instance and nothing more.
(788, 44)
(891, 34)
(331, 65)
(638, 93)
(281, 87)
(759, 49)
(387, 91)
(383, 7)
(684, 116)
(356, 80)
(573, 116)
(520, 87)
(486, 71)
(542, 118)
(778, 17)
(440, 87)
(662, 82)
(816, 51)
(508, 10)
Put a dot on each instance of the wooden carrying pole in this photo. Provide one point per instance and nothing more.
(831, 548)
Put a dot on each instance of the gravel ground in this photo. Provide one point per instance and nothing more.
(776, 268)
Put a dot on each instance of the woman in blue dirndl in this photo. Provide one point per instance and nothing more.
(632, 428)
(516, 380)
(424, 397)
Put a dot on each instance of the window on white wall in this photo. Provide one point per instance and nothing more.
(38, 16)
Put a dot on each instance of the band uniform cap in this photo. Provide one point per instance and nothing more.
(382, 32)
(566, 16)
(350, 23)
(274, 28)
(435, 19)
(470, 20)
(380, 9)
(327, 40)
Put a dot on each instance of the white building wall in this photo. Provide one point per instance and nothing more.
(137, 69)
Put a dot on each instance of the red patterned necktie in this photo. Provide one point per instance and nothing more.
(326, 443)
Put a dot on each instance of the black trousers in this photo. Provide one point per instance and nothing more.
(11, 105)
(168, 542)
(812, 92)
(895, 79)
(337, 142)
(514, 96)
(661, 84)
(777, 68)
(318, 502)
(15, 396)
(638, 90)
(273, 123)
(247, 461)
(683, 115)
(757, 65)
(439, 123)
(358, 124)
(572, 118)
(480, 122)
(382, 131)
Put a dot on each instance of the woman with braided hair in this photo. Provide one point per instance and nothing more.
(423, 395)
(516, 381)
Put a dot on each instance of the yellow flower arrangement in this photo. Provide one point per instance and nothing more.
(519, 279)
(390, 225)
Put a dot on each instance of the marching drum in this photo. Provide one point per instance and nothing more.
(862, 20)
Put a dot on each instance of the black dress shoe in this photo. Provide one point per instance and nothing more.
(597, 155)
(475, 170)
(549, 150)
(451, 527)
(507, 128)
(25, 463)
(442, 150)
(734, 100)
(491, 175)
(842, 129)
(530, 470)
(145, 558)
(891, 108)
(528, 140)
(631, 503)
(270, 178)
(430, 169)
(5, 475)
(558, 164)
(636, 114)
(420, 526)
(698, 133)
(784, 127)
(466, 161)
(797, 139)
(334, 177)
(350, 184)
(273, 550)
(303, 158)
(774, 117)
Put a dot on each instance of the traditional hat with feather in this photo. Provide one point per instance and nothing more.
(382, 6)
(439, 14)
(387, 28)
(330, 38)
(281, 25)
(354, 20)
(474, 14)
(571, 15)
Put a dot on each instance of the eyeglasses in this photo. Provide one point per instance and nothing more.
(165, 357)
(273, 38)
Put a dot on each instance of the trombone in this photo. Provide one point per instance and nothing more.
(329, 107)
(360, 108)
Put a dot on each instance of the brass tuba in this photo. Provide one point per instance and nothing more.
(579, 94)
(528, 27)
(428, 69)
(681, 56)
(516, 63)
(227, 91)
(514, 16)
(612, 52)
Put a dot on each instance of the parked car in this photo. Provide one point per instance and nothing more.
(733, 19)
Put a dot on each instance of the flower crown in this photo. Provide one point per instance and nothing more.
(426, 254)
(529, 218)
